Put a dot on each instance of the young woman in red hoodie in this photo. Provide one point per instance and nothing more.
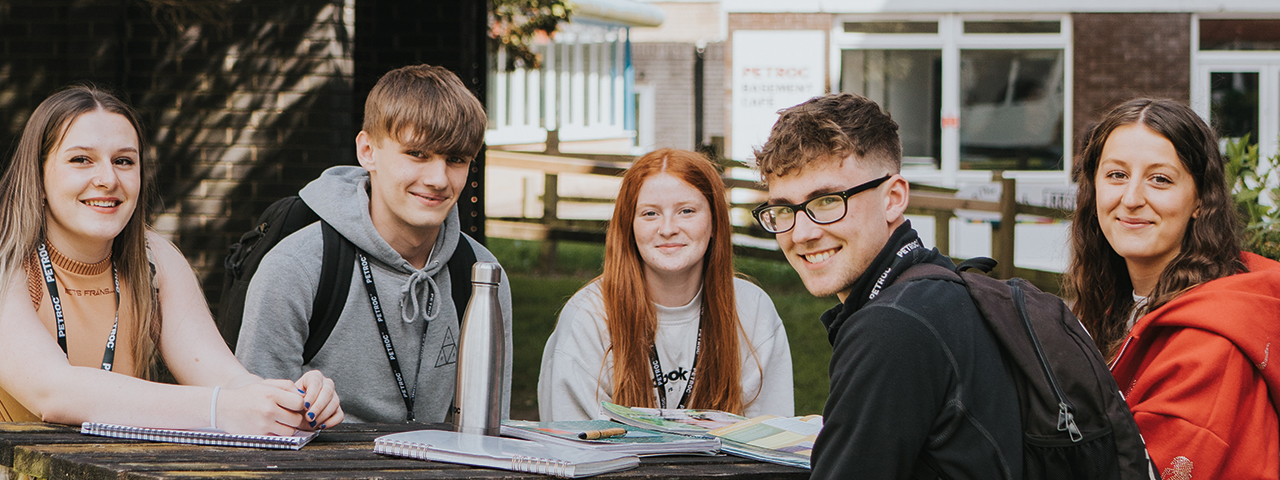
(1159, 280)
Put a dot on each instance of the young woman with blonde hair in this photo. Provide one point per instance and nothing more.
(90, 297)
(667, 325)
(1160, 281)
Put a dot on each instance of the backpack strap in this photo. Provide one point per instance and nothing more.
(460, 274)
(929, 271)
(336, 268)
(939, 272)
(985, 264)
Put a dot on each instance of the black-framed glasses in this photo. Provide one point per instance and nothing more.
(823, 209)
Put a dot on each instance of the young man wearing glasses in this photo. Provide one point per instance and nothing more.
(918, 385)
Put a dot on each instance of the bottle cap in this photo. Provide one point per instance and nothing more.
(486, 272)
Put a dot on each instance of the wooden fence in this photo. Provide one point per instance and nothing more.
(939, 203)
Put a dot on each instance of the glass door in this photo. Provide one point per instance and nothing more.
(1235, 83)
(1239, 99)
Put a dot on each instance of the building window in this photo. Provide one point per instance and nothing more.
(907, 83)
(891, 27)
(970, 93)
(1236, 34)
(1052, 26)
(1011, 104)
(1233, 104)
(1236, 79)
(580, 90)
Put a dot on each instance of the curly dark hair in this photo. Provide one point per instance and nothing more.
(1098, 278)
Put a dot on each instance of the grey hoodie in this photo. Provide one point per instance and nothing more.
(425, 337)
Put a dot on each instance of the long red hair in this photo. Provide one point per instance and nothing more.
(629, 312)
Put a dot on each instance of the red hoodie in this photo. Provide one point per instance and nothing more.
(1198, 376)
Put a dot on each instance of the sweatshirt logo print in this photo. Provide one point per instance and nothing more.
(92, 292)
(678, 374)
(448, 350)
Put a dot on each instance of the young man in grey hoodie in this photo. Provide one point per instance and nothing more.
(421, 130)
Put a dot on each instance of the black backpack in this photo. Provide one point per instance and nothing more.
(281, 219)
(1075, 421)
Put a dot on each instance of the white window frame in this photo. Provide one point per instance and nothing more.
(950, 40)
(1265, 62)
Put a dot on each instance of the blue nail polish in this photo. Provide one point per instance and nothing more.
(322, 427)
(304, 392)
(311, 415)
(308, 404)
(313, 424)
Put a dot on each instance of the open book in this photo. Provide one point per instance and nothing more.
(199, 437)
(503, 453)
(768, 438)
(774, 439)
(638, 441)
(683, 422)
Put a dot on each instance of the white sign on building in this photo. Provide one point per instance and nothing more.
(772, 70)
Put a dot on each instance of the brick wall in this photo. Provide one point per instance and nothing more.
(685, 22)
(713, 101)
(669, 68)
(242, 102)
(449, 33)
(766, 21)
(1119, 56)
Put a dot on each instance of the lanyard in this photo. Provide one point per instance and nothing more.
(405, 393)
(880, 284)
(46, 266)
(660, 381)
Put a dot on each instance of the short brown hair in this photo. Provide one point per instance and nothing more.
(830, 127)
(425, 108)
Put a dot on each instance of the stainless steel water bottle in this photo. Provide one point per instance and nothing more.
(481, 350)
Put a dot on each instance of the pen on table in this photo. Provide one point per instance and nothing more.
(606, 433)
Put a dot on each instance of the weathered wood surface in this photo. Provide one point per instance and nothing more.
(53, 451)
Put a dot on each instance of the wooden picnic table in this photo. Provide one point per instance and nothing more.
(43, 450)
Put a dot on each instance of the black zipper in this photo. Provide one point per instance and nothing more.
(1066, 412)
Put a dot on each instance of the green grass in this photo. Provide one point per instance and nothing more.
(538, 293)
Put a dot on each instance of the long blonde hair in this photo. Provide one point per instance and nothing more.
(22, 210)
(629, 311)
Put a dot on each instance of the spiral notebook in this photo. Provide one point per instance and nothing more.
(502, 453)
(199, 437)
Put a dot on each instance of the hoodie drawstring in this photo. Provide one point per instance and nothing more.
(420, 285)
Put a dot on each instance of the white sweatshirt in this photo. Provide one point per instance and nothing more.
(577, 374)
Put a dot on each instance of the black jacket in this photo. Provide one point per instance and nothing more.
(918, 386)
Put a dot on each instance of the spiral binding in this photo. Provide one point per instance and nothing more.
(519, 463)
(544, 466)
(402, 449)
(194, 437)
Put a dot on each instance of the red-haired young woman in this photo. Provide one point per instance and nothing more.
(667, 325)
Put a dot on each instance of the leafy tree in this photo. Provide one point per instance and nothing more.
(1250, 181)
(515, 23)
